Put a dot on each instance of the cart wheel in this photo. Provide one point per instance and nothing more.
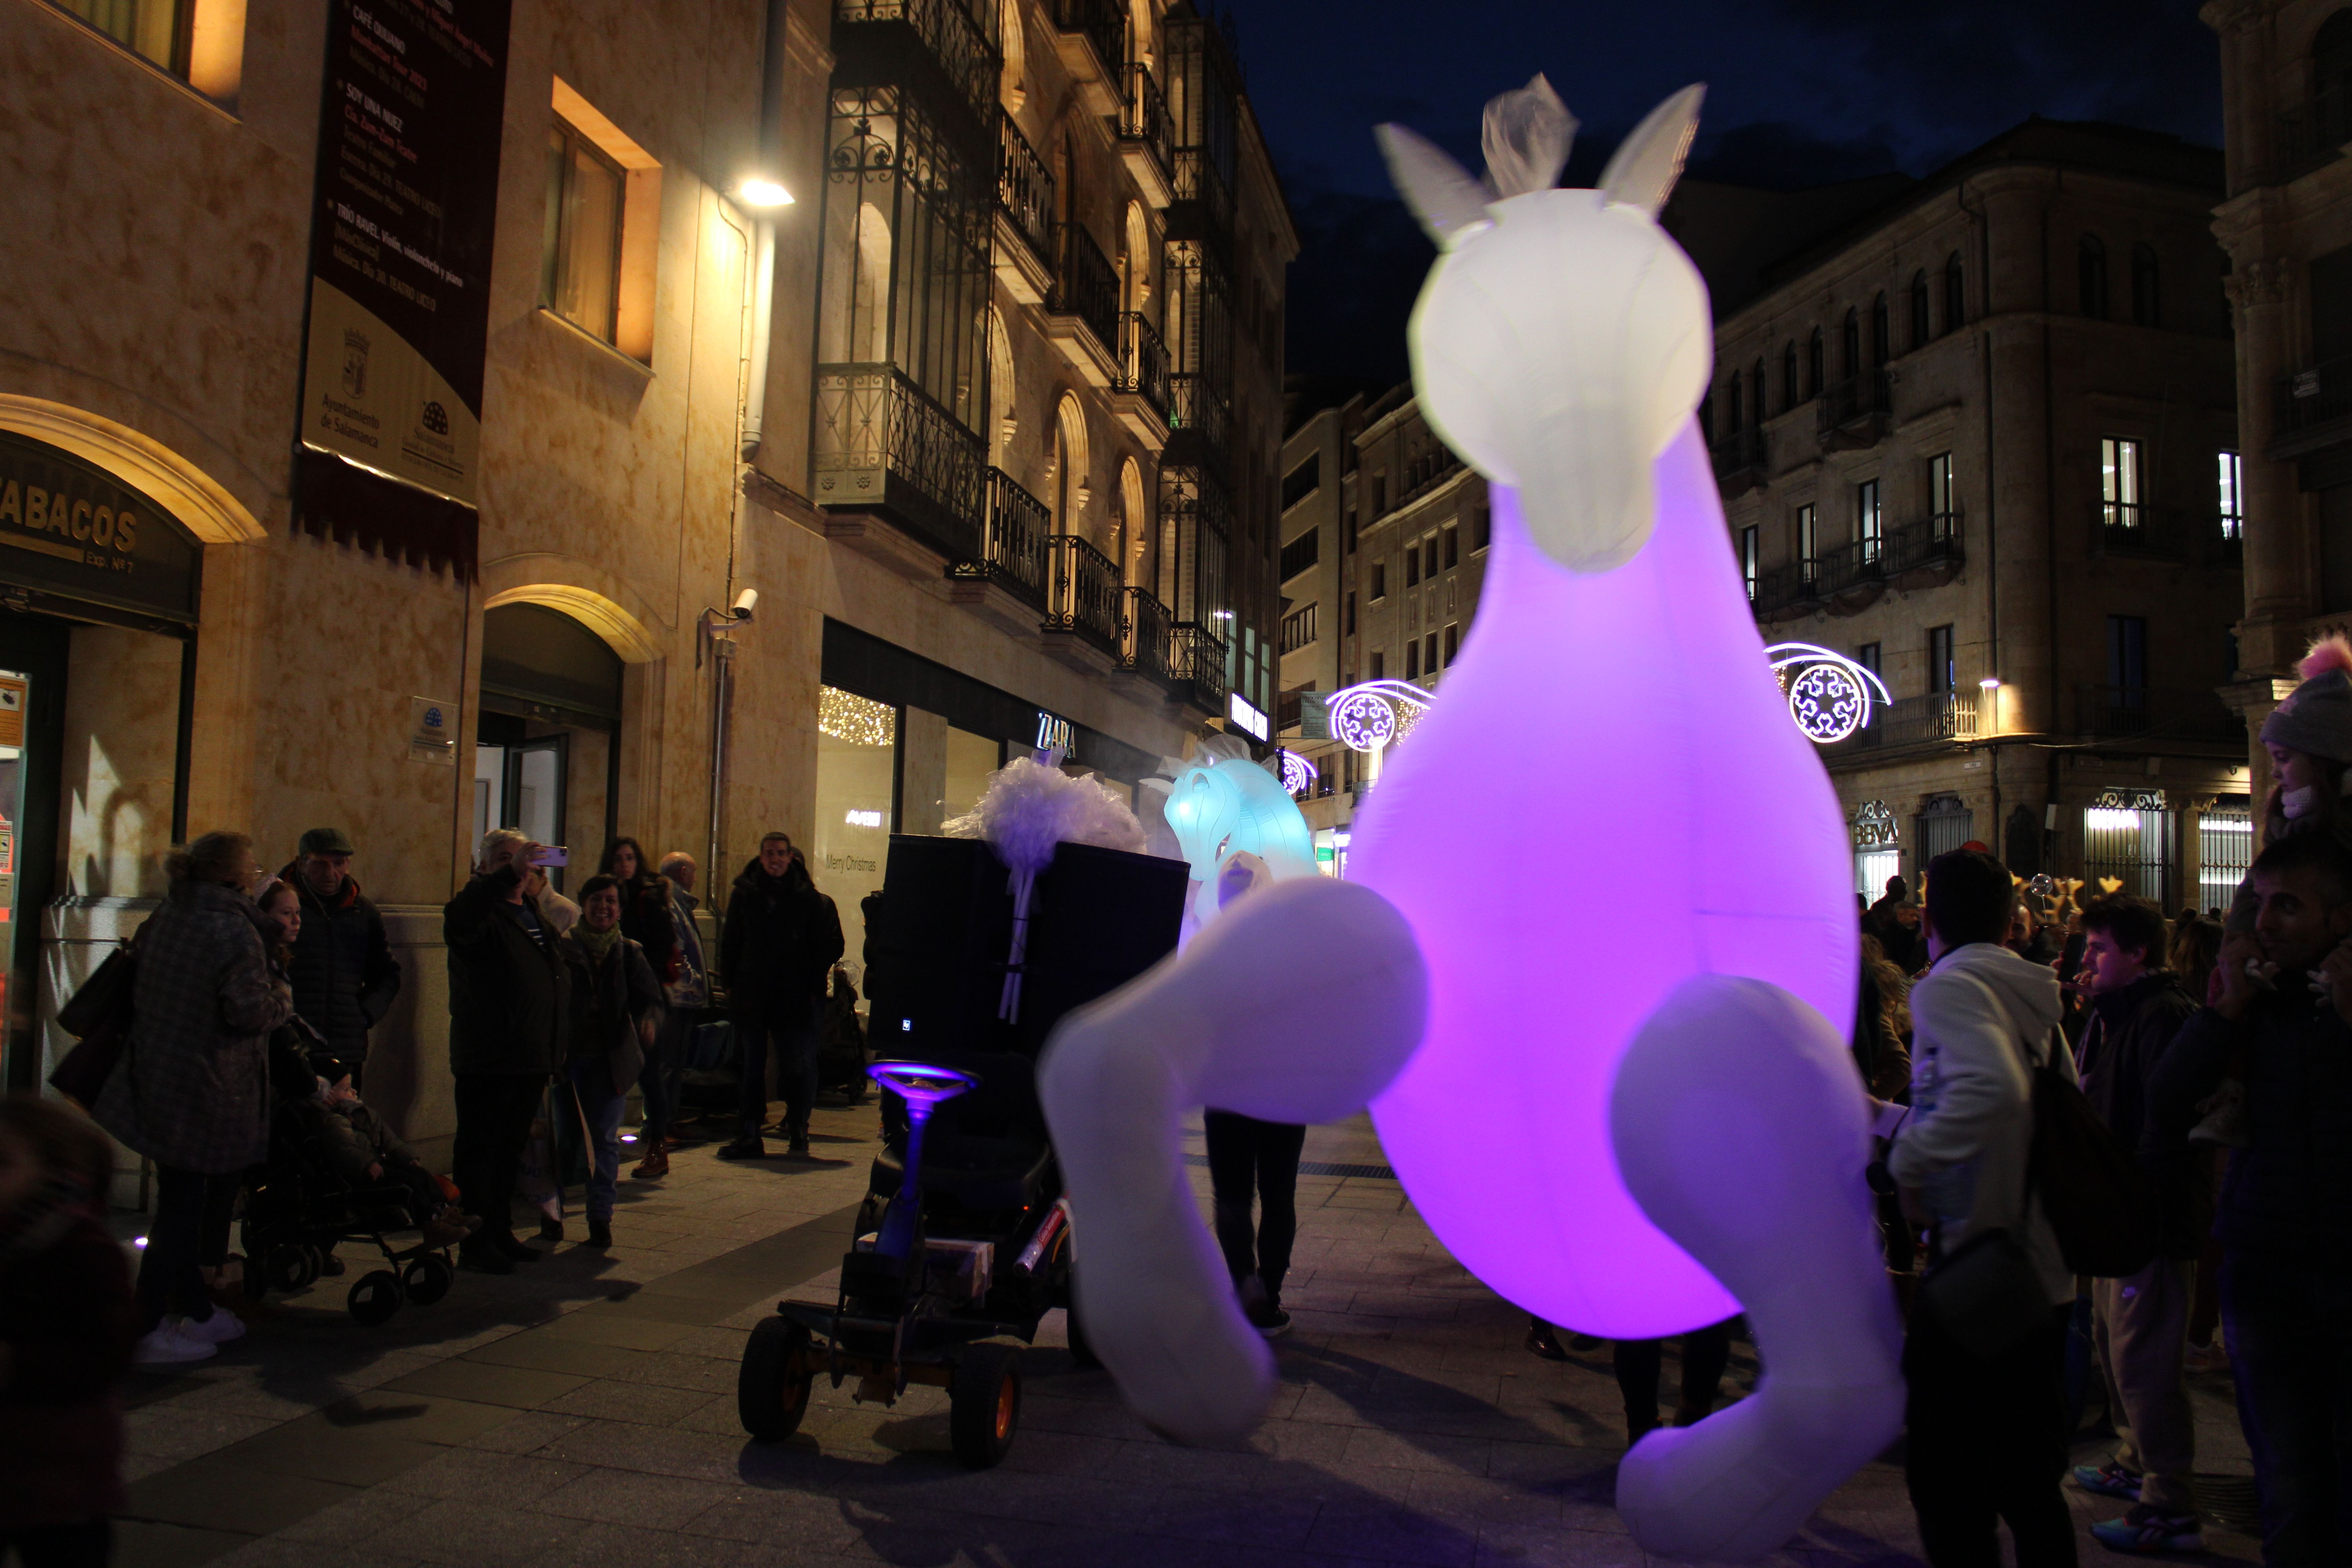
(288, 1268)
(426, 1279)
(375, 1298)
(318, 1256)
(984, 1405)
(771, 1386)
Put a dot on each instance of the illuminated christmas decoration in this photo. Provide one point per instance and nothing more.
(1830, 695)
(860, 721)
(1298, 774)
(1374, 712)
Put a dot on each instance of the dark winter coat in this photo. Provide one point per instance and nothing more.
(343, 973)
(646, 920)
(609, 1000)
(67, 1318)
(783, 938)
(2124, 1040)
(191, 1088)
(2288, 1193)
(507, 988)
(353, 1137)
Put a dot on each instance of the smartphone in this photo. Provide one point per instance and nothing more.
(551, 854)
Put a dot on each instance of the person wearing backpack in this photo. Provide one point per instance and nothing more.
(2140, 1320)
(1987, 1431)
(2286, 1213)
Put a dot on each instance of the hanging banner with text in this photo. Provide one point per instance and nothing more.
(409, 132)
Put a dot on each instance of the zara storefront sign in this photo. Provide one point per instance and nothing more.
(1055, 734)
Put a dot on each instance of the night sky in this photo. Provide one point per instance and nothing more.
(1799, 92)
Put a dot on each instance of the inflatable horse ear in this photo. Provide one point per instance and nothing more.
(1568, 395)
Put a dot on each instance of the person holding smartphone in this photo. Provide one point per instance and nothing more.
(506, 1034)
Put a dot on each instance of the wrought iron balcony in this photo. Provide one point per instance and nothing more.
(2149, 532)
(1146, 136)
(1142, 363)
(871, 39)
(2315, 408)
(1932, 720)
(1085, 286)
(1198, 665)
(1203, 204)
(1856, 412)
(1150, 648)
(1024, 188)
(1426, 473)
(1739, 460)
(883, 447)
(1930, 544)
(2142, 712)
(1012, 542)
(1200, 420)
(1786, 589)
(1102, 26)
(1085, 594)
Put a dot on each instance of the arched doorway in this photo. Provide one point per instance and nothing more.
(547, 747)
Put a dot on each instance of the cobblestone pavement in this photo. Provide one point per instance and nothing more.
(582, 1411)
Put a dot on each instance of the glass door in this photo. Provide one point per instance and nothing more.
(521, 786)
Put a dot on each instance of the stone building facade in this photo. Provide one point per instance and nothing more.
(987, 419)
(1982, 437)
(2286, 225)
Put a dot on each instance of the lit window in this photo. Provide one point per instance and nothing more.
(1748, 555)
(2229, 477)
(2119, 482)
(1943, 495)
(580, 264)
(1869, 520)
(1808, 551)
(155, 30)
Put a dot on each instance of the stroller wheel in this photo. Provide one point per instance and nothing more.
(375, 1298)
(288, 1268)
(771, 1386)
(426, 1280)
(984, 1405)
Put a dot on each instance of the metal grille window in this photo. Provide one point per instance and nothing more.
(2225, 849)
(2130, 839)
(580, 259)
(2230, 492)
(1943, 823)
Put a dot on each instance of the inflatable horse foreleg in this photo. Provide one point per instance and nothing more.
(1298, 1003)
(1740, 1130)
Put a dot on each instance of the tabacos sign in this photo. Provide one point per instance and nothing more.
(70, 527)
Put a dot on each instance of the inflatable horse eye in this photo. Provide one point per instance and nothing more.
(1562, 339)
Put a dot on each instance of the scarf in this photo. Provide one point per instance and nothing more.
(600, 944)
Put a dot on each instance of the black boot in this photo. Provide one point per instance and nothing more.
(600, 1232)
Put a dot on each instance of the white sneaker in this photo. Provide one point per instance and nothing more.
(166, 1346)
(220, 1328)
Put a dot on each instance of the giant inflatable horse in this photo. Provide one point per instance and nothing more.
(1593, 963)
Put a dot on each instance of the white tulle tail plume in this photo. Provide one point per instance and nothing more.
(1299, 1004)
(1741, 1131)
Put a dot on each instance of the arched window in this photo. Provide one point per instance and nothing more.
(1814, 369)
(1788, 398)
(2147, 306)
(2090, 274)
(1755, 388)
(1137, 522)
(1002, 393)
(1731, 409)
(1135, 269)
(1012, 83)
(1881, 337)
(1850, 346)
(1956, 293)
(1919, 332)
(1071, 490)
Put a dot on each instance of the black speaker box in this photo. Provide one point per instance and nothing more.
(935, 957)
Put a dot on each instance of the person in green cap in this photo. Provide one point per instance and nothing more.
(344, 975)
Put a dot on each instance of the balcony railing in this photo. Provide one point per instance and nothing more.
(1926, 721)
(1012, 542)
(2104, 712)
(1086, 595)
(1103, 24)
(1739, 459)
(882, 444)
(1085, 286)
(1150, 649)
(1195, 404)
(1930, 544)
(2315, 408)
(1145, 121)
(1426, 473)
(1204, 205)
(2314, 131)
(946, 32)
(1024, 187)
(1854, 412)
(2164, 533)
(1199, 659)
(1142, 363)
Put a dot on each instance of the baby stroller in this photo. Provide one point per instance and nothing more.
(964, 1238)
(298, 1208)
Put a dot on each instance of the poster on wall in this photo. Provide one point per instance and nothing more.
(410, 124)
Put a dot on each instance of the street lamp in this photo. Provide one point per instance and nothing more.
(761, 192)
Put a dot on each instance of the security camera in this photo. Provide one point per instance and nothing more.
(745, 603)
